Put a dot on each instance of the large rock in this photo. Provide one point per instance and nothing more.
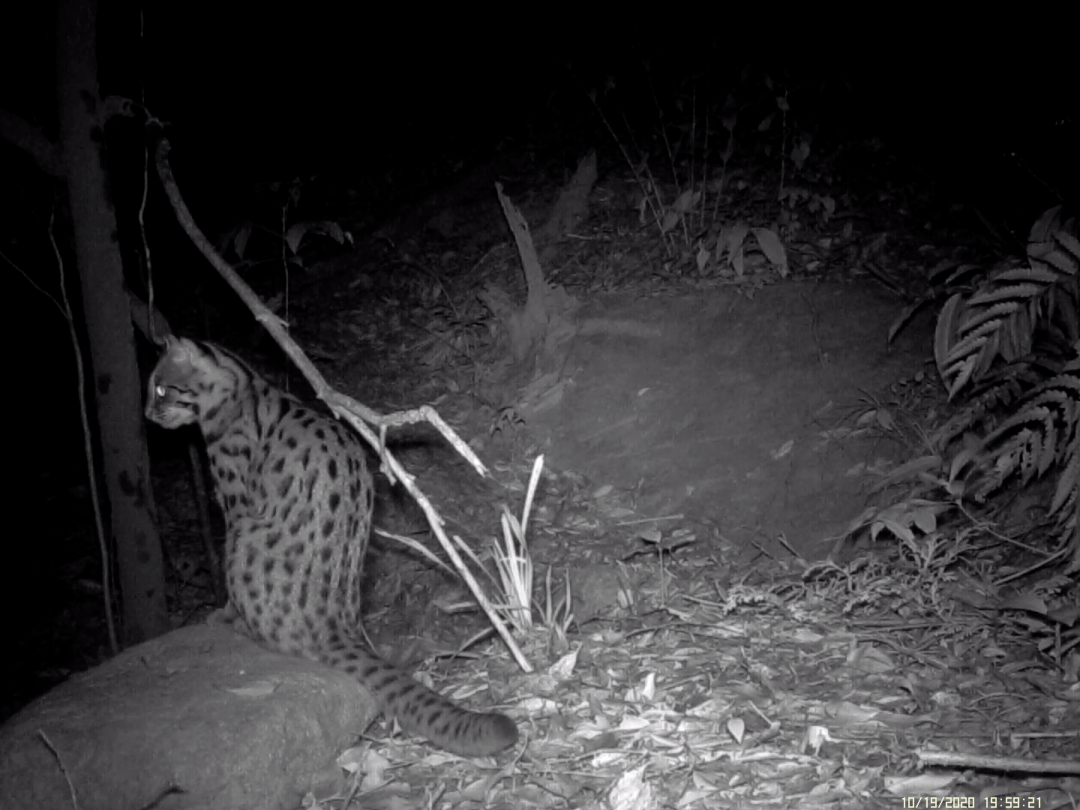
(201, 717)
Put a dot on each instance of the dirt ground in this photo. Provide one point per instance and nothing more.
(733, 410)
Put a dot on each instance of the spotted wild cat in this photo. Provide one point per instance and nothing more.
(297, 497)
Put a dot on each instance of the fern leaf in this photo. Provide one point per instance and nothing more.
(1070, 243)
(1062, 309)
(947, 323)
(999, 393)
(1037, 274)
(1006, 293)
(1068, 484)
(973, 340)
(976, 320)
(1042, 432)
(1048, 254)
(1047, 224)
(960, 372)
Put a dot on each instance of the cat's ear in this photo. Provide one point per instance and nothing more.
(181, 352)
(171, 344)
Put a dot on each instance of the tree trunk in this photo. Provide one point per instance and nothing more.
(117, 387)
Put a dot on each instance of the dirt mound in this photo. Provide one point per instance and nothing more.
(725, 408)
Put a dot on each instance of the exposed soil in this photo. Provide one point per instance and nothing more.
(723, 407)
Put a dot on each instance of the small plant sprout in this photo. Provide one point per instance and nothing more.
(513, 562)
(557, 616)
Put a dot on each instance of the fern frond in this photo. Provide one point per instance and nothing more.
(1065, 496)
(1000, 318)
(1042, 433)
(997, 392)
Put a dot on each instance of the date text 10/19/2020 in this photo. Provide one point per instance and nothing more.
(972, 803)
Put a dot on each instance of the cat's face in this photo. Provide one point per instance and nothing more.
(180, 387)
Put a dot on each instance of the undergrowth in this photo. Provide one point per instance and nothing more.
(1007, 349)
(704, 151)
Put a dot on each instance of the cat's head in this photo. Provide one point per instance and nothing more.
(184, 385)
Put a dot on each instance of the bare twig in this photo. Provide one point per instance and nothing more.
(1014, 764)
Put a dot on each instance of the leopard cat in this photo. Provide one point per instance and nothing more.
(297, 497)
